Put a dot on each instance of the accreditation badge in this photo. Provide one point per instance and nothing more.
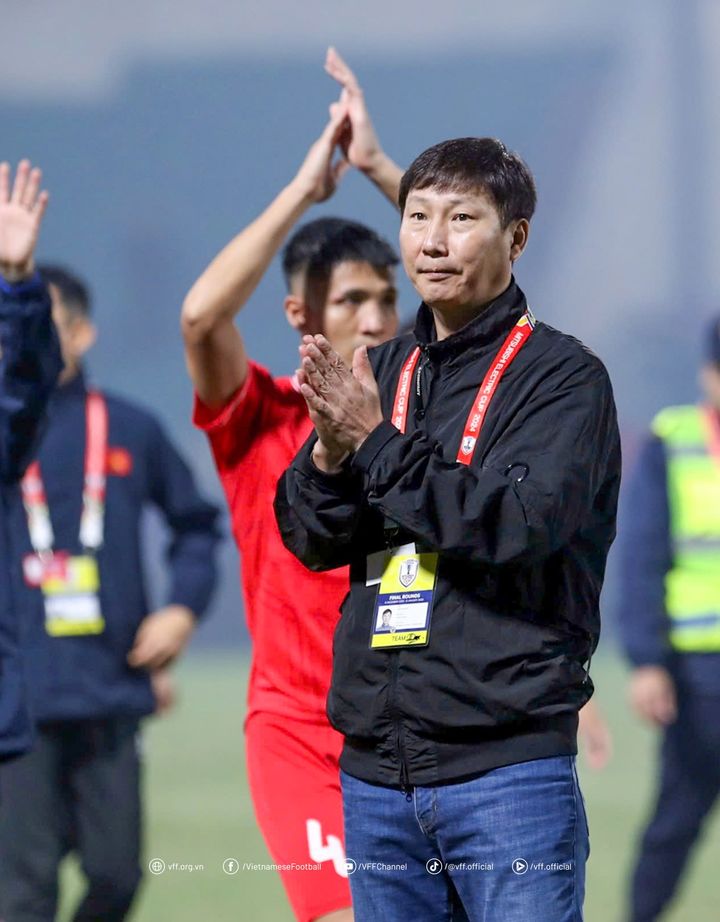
(70, 587)
(404, 601)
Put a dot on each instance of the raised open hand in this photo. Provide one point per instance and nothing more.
(21, 214)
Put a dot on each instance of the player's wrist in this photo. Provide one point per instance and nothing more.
(374, 164)
(302, 193)
(13, 273)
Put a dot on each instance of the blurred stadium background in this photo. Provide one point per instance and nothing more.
(164, 127)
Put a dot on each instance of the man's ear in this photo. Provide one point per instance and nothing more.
(296, 311)
(301, 316)
(84, 337)
(520, 234)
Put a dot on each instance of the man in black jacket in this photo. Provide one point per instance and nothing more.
(469, 474)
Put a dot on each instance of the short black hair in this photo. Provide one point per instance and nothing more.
(74, 292)
(481, 164)
(386, 610)
(320, 245)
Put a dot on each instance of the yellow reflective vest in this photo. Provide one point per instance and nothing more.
(692, 586)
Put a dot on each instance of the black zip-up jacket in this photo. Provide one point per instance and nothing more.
(522, 536)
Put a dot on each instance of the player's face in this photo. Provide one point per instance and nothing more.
(360, 307)
(454, 248)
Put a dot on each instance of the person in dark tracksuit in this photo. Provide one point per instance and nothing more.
(468, 473)
(30, 362)
(670, 628)
(90, 644)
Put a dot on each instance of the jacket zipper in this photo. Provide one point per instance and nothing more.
(405, 785)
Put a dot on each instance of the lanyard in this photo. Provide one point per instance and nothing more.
(712, 430)
(514, 342)
(92, 521)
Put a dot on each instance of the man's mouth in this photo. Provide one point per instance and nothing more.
(437, 274)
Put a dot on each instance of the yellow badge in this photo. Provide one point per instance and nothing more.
(70, 586)
(404, 601)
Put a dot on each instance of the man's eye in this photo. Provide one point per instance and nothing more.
(461, 216)
(417, 215)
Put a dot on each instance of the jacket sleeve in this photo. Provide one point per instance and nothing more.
(645, 556)
(30, 363)
(564, 440)
(318, 514)
(192, 521)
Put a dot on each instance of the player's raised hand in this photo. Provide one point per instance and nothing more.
(320, 172)
(358, 140)
(21, 212)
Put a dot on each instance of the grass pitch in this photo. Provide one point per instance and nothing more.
(198, 812)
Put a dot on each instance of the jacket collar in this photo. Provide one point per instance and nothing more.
(75, 387)
(495, 320)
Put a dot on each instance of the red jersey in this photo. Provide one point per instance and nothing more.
(291, 612)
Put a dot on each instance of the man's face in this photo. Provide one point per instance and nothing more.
(75, 332)
(454, 248)
(710, 383)
(360, 308)
(385, 619)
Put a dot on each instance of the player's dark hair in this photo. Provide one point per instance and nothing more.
(479, 164)
(317, 247)
(73, 291)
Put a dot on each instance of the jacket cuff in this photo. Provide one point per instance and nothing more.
(330, 482)
(372, 446)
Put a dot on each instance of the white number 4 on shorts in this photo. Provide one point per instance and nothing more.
(321, 850)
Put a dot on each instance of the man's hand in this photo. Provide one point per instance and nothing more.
(318, 176)
(21, 214)
(344, 405)
(163, 686)
(652, 695)
(358, 140)
(594, 735)
(161, 637)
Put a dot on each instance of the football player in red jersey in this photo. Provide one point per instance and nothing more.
(340, 280)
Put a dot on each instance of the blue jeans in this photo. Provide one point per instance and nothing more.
(507, 846)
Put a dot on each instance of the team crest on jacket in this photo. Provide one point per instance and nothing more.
(468, 443)
(408, 572)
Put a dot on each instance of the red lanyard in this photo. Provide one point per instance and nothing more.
(92, 522)
(711, 418)
(514, 342)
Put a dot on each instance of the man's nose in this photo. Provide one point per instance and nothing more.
(435, 242)
(373, 318)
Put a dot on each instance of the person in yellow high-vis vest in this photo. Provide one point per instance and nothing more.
(670, 626)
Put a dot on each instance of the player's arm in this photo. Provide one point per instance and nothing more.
(30, 358)
(214, 350)
(163, 634)
(359, 141)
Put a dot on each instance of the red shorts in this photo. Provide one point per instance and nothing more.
(295, 787)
